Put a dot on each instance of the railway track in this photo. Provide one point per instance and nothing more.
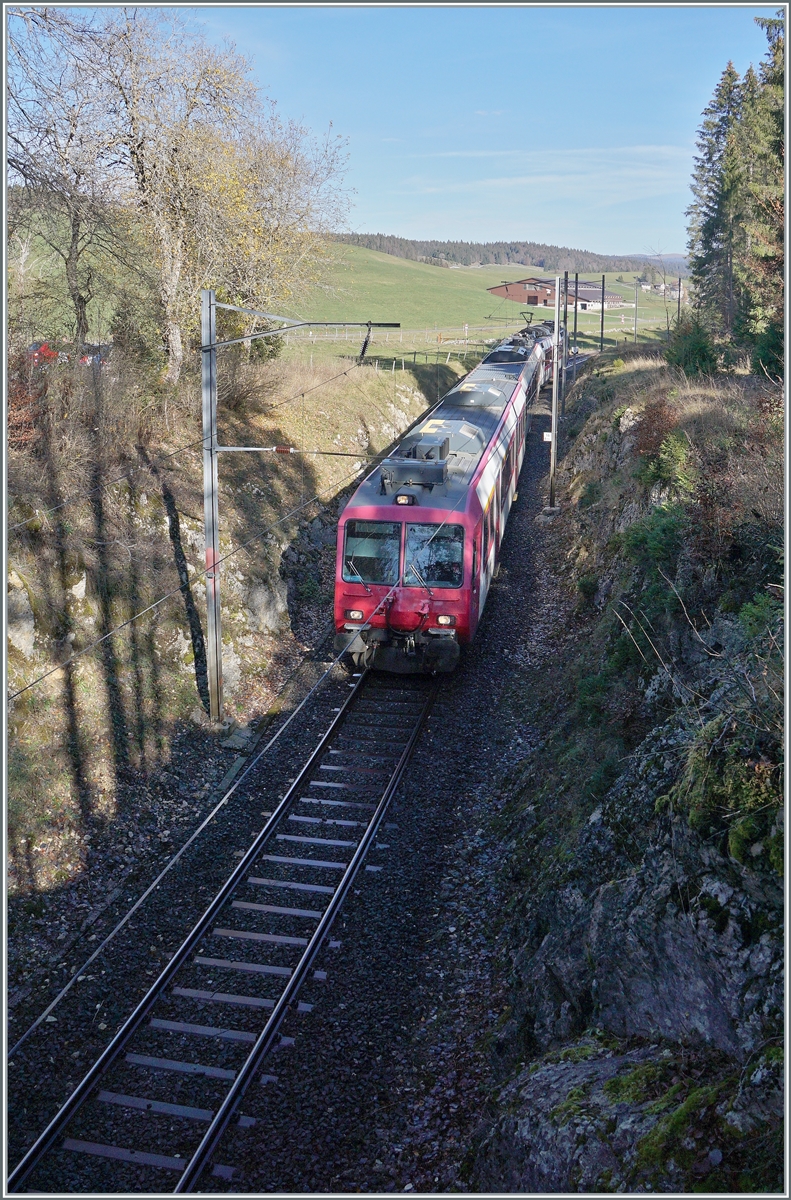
(150, 1114)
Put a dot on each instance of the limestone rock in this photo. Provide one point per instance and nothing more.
(21, 625)
(562, 1131)
(267, 605)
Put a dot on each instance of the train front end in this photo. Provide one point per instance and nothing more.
(403, 568)
(402, 594)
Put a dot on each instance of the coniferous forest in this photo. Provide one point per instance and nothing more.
(736, 250)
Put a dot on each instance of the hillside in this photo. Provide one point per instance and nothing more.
(524, 253)
(370, 285)
(639, 839)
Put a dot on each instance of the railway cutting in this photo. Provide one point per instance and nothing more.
(151, 1112)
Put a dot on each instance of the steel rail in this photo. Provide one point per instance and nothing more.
(84, 1088)
(244, 1078)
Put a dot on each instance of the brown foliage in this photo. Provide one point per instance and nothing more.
(25, 391)
(657, 421)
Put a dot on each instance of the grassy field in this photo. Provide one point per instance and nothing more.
(431, 301)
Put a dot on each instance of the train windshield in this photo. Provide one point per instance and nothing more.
(434, 556)
(371, 552)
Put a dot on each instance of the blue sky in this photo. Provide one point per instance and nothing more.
(566, 124)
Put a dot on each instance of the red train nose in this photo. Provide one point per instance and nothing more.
(405, 615)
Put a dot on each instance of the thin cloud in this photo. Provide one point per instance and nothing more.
(586, 152)
(593, 175)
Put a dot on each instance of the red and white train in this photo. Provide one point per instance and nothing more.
(419, 541)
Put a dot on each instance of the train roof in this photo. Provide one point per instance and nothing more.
(462, 425)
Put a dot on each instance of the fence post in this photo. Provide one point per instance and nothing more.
(211, 516)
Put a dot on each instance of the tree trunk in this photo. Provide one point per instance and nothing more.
(172, 244)
(79, 298)
(174, 347)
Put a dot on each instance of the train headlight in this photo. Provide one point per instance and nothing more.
(446, 619)
(405, 499)
(354, 614)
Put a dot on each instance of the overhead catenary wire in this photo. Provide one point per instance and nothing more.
(163, 458)
(172, 862)
(307, 391)
(180, 588)
(189, 446)
(110, 483)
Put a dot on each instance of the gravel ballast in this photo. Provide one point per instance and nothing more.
(385, 1085)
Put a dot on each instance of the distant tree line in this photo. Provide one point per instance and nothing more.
(736, 219)
(467, 254)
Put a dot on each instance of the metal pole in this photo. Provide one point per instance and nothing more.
(678, 317)
(601, 331)
(576, 306)
(211, 516)
(635, 309)
(565, 341)
(553, 455)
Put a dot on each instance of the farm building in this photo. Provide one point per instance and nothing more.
(537, 292)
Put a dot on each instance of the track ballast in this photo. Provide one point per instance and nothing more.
(151, 1112)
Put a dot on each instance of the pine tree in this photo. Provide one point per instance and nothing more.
(762, 136)
(716, 226)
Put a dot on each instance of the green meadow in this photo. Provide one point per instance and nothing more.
(430, 302)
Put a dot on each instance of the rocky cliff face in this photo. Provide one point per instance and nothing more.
(80, 570)
(643, 933)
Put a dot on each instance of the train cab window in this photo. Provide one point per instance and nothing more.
(434, 556)
(371, 552)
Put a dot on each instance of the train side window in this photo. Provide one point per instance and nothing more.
(474, 559)
(485, 539)
(506, 475)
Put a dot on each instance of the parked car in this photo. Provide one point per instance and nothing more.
(42, 354)
(100, 355)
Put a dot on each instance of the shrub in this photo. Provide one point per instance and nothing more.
(672, 465)
(769, 352)
(656, 541)
(591, 693)
(691, 348)
(759, 614)
(590, 494)
(588, 585)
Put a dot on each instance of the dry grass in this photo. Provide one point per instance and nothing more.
(89, 566)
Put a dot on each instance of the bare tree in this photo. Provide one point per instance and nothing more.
(233, 196)
(59, 153)
(171, 95)
(136, 116)
(277, 203)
